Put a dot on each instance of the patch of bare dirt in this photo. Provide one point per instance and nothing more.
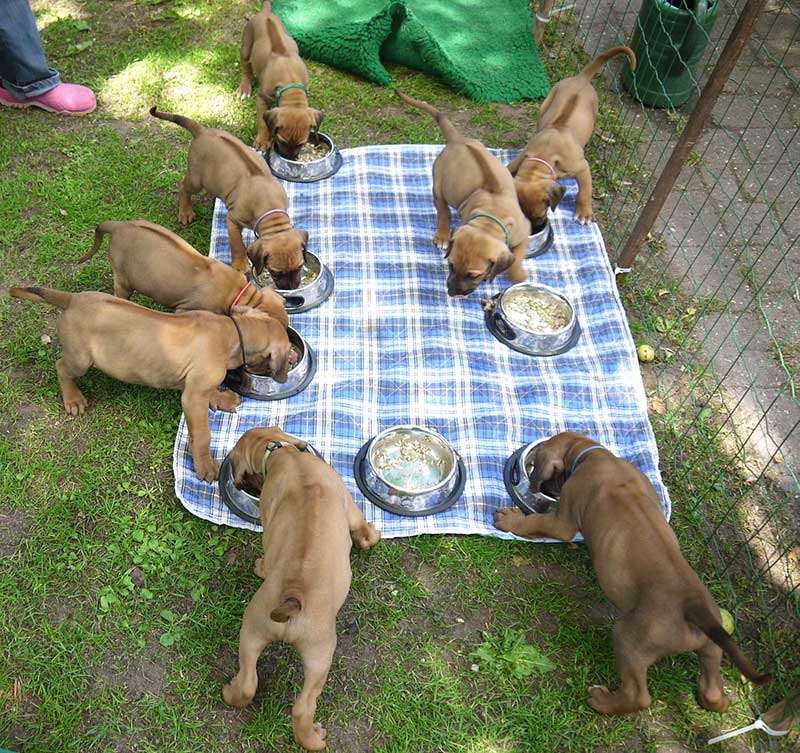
(15, 525)
(138, 675)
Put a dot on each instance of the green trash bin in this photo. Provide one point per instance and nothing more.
(669, 39)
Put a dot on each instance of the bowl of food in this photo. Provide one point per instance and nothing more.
(243, 500)
(318, 159)
(540, 241)
(316, 285)
(410, 470)
(533, 319)
(302, 366)
(516, 475)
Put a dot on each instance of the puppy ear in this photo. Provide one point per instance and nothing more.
(501, 264)
(271, 119)
(545, 466)
(255, 252)
(240, 469)
(318, 118)
(300, 444)
(304, 234)
(555, 193)
(278, 366)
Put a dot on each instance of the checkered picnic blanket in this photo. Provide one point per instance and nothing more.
(393, 348)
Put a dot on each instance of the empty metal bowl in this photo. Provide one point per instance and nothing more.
(242, 502)
(539, 243)
(516, 473)
(533, 319)
(316, 285)
(410, 470)
(263, 387)
(299, 171)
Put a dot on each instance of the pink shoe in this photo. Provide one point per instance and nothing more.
(64, 99)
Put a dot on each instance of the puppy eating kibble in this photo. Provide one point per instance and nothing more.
(665, 608)
(309, 521)
(190, 351)
(566, 122)
(225, 167)
(269, 51)
(493, 236)
(152, 260)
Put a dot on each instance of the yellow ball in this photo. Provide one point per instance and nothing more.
(645, 353)
(727, 621)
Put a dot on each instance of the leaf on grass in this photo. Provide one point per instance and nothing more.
(167, 615)
(167, 639)
(81, 46)
(81, 25)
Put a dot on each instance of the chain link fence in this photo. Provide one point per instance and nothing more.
(715, 288)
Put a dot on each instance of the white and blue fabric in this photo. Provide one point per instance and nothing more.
(393, 348)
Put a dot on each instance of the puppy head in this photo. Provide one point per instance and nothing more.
(283, 255)
(554, 460)
(535, 197)
(266, 341)
(271, 303)
(248, 452)
(474, 256)
(289, 128)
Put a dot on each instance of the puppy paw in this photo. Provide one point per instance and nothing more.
(243, 91)
(366, 536)
(259, 568)
(228, 401)
(76, 405)
(262, 143)
(710, 702)
(598, 698)
(314, 739)
(508, 519)
(206, 469)
(241, 265)
(186, 217)
(516, 273)
(232, 696)
(442, 242)
(584, 216)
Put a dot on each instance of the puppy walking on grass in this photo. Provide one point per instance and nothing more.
(310, 522)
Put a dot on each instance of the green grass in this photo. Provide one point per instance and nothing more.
(119, 612)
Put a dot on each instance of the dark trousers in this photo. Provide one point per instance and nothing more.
(23, 67)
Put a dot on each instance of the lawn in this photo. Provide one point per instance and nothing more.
(119, 612)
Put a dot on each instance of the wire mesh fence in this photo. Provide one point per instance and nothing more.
(715, 289)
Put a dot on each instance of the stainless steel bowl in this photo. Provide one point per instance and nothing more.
(410, 470)
(516, 475)
(539, 243)
(506, 321)
(315, 287)
(242, 502)
(263, 387)
(306, 172)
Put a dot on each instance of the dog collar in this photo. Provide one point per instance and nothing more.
(544, 162)
(284, 88)
(241, 340)
(239, 296)
(494, 219)
(582, 453)
(268, 450)
(267, 214)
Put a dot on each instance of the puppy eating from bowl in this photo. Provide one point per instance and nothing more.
(310, 522)
(665, 608)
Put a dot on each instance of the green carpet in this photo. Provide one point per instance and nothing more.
(481, 48)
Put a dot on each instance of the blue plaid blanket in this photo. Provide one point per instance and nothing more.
(393, 348)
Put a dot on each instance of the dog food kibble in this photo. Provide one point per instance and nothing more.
(409, 464)
(311, 153)
(294, 356)
(536, 313)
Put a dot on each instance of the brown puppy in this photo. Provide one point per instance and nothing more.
(665, 607)
(493, 236)
(309, 521)
(189, 352)
(566, 122)
(225, 167)
(152, 260)
(282, 76)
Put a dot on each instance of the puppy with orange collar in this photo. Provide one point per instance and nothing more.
(269, 52)
(566, 122)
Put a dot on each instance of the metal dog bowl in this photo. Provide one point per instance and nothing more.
(242, 502)
(539, 243)
(263, 387)
(306, 172)
(516, 473)
(316, 286)
(518, 317)
(410, 470)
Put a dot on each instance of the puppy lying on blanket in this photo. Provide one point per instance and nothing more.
(493, 236)
(154, 261)
(282, 76)
(225, 167)
(189, 352)
(566, 122)
(666, 609)
(309, 520)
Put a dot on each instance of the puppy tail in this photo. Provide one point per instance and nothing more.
(596, 64)
(290, 606)
(190, 125)
(266, 6)
(447, 128)
(99, 233)
(702, 617)
(57, 298)
(275, 36)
